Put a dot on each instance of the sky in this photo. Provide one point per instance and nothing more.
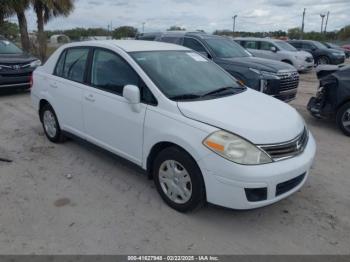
(208, 15)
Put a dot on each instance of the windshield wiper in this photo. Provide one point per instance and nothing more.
(221, 90)
(185, 97)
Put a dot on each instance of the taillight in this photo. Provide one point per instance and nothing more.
(31, 81)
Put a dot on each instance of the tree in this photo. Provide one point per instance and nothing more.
(294, 33)
(9, 30)
(19, 7)
(176, 28)
(124, 32)
(45, 10)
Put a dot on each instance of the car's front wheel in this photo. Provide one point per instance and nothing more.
(178, 179)
(50, 124)
(322, 60)
(343, 118)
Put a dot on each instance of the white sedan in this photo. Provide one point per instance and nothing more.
(200, 134)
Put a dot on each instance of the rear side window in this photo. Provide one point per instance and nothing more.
(111, 73)
(251, 44)
(194, 45)
(296, 44)
(75, 64)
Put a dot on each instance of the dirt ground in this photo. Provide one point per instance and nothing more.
(74, 199)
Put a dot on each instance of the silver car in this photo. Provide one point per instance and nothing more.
(278, 50)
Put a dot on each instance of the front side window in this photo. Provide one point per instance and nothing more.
(266, 46)
(251, 44)
(111, 73)
(194, 45)
(225, 48)
(183, 75)
(75, 64)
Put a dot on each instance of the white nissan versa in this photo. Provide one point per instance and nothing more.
(200, 134)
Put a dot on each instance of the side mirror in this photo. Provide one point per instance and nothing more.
(132, 94)
(273, 49)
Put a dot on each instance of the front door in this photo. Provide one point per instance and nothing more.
(109, 119)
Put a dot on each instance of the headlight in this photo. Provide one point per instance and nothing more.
(235, 149)
(264, 73)
(35, 63)
(337, 54)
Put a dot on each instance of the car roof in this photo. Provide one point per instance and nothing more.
(131, 45)
(255, 38)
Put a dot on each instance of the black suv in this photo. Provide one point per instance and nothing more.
(321, 54)
(16, 66)
(271, 77)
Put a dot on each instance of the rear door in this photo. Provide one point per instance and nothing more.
(109, 119)
(66, 87)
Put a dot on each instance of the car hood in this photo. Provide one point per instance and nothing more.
(258, 63)
(16, 58)
(257, 117)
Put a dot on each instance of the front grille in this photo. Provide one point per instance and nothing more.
(288, 80)
(309, 59)
(10, 67)
(286, 186)
(288, 149)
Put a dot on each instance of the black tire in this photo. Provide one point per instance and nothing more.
(322, 60)
(343, 114)
(57, 136)
(178, 155)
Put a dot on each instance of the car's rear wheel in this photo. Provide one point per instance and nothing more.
(178, 179)
(343, 118)
(322, 60)
(50, 124)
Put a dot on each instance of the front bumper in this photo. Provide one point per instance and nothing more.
(15, 79)
(305, 66)
(336, 60)
(226, 182)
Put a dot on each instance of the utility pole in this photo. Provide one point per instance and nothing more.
(325, 27)
(234, 24)
(303, 25)
(322, 16)
(143, 27)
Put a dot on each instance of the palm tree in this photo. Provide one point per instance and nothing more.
(4, 11)
(45, 10)
(19, 7)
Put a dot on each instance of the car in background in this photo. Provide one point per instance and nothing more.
(332, 99)
(346, 47)
(334, 46)
(274, 78)
(322, 54)
(16, 66)
(277, 50)
(147, 36)
(188, 123)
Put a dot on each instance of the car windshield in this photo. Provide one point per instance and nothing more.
(186, 75)
(285, 46)
(6, 47)
(225, 48)
(319, 45)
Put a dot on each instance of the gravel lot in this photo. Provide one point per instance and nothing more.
(108, 206)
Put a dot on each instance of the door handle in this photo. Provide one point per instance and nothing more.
(90, 98)
(53, 85)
